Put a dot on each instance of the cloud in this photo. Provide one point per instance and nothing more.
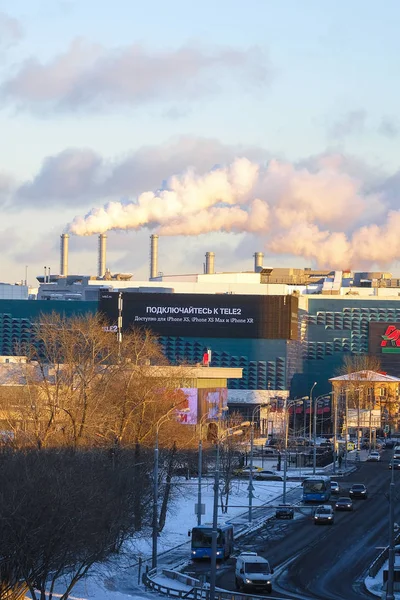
(332, 209)
(352, 123)
(7, 186)
(317, 213)
(10, 30)
(90, 77)
(70, 176)
(389, 127)
(78, 175)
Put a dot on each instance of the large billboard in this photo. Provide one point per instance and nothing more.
(195, 403)
(384, 343)
(205, 315)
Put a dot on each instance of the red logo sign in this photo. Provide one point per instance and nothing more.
(392, 335)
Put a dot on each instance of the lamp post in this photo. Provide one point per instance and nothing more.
(251, 488)
(305, 400)
(214, 532)
(311, 409)
(346, 417)
(335, 419)
(390, 580)
(161, 420)
(286, 432)
(323, 396)
(200, 468)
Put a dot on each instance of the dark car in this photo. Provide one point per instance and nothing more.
(394, 464)
(358, 490)
(335, 489)
(344, 504)
(388, 444)
(284, 511)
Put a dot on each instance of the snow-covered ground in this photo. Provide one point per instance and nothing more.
(118, 579)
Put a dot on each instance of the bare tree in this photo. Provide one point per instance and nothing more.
(63, 511)
(229, 456)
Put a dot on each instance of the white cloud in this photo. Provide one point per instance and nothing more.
(76, 176)
(10, 30)
(351, 123)
(89, 77)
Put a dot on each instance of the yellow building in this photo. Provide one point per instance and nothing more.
(369, 391)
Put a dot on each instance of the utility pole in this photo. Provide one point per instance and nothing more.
(335, 418)
(311, 409)
(315, 407)
(390, 581)
(251, 487)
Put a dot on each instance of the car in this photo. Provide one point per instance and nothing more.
(394, 464)
(265, 475)
(388, 444)
(358, 490)
(335, 488)
(284, 511)
(324, 515)
(245, 471)
(253, 571)
(374, 456)
(344, 503)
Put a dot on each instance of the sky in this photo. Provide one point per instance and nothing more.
(228, 127)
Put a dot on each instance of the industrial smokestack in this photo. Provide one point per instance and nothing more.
(210, 256)
(102, 255)
(153, 256)
(258, 261)
(64, 255)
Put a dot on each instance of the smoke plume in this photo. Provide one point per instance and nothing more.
(318, 213)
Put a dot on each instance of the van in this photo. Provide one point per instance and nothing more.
(253, 572)
(324, 515)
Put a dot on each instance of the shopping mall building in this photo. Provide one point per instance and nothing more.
(285, 328)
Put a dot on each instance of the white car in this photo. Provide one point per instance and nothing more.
(374, 456)
(324, 515)
(267, 475)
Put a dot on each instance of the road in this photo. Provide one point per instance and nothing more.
(325, 563)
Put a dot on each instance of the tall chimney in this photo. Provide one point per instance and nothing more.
(258, 261)
(210, 256)
(64, 255)
(153, 256)
(102, 255)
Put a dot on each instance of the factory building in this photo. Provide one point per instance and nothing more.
(286, 328)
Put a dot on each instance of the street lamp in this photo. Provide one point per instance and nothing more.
(390, 580)
(214, 533)
(335, 424)
(305, 399)
(200, 461)
(311, 408)
(250, 488)
(287, 406)
(161, 420)
(200, 468)
(323, 396)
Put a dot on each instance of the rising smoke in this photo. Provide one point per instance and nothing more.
(319, 214)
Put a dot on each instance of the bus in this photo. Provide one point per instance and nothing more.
(316, 488)
(201, 541)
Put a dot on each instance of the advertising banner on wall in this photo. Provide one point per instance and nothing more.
(187, 400)
(205, 315)
(364, 418)
(384, 343)
(212, 402)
